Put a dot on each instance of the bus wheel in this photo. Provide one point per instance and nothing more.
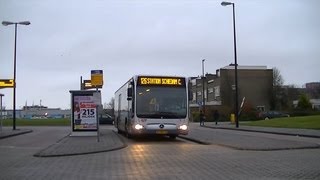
(172, 136)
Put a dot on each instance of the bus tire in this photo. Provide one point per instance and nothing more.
(173, 136)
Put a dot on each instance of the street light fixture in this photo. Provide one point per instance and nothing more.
(6, 23)
(224, 3)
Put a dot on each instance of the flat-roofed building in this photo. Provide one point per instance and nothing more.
(218, 90)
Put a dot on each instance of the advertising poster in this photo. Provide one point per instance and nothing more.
(84, 113)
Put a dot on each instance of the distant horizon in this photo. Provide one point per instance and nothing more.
(105, 103)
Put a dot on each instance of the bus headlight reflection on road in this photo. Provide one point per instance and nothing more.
(138, 127)
(183, 127)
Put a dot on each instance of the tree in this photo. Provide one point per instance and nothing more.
(278, 100)
(304, 103)
(277, 77)
(110, 105)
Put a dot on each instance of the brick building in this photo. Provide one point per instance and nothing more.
(218, 90)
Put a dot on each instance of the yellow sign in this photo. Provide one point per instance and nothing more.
(160, 81)
(87, 85)
(96, 78)
(6, 83)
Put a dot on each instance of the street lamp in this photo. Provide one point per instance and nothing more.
(1, 95)
(235, 61)
(203, 80)
(6, 23)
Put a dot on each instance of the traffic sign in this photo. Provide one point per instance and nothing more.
(96, 78)
(6, 83)
(87, 85)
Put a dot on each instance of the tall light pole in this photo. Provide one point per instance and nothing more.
(6, 23)
(235, 60)
(203, 80)
(1, 95)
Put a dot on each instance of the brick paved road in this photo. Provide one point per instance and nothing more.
(152, 159)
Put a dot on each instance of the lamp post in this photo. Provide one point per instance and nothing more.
(1, 95)
(6, 23)
(235, 61)
(203, 80)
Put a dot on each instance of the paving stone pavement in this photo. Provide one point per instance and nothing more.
(168, 159)
(224, 134)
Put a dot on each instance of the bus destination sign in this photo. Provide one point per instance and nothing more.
(166, 81)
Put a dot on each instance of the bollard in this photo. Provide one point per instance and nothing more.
(232, 118)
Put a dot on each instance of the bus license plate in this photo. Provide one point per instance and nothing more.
(161, 132)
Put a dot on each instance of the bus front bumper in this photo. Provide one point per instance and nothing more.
(161, 129)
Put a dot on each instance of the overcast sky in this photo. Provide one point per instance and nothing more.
(68, 39)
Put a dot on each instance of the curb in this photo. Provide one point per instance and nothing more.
(315, 146)
(261, 131)
(247, 149)
(39, 154)
(194, 140)
(16, 134)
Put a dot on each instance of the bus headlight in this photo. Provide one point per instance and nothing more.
(183, 127)
(138, 126)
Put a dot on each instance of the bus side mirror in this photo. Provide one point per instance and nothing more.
(129, 94)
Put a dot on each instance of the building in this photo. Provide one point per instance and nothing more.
(313, 90)
(218, 90)
(36, 111)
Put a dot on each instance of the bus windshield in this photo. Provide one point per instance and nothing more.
(161, 102)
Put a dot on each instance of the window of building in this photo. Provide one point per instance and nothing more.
(194, 96)
(199, 93)
(260, 108)
(193, 82)
(217, 91)
(210, 81)
(205, 94)
(210, 90)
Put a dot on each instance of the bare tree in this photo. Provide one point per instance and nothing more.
(110, 105)
(278, 93)
(277, 78)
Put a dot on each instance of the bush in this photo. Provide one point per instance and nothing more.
(196, 116)
(304, 102)
(248, 113)
(299, 112)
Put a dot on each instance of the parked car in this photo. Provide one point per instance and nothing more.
(106, 119)
(272, 114)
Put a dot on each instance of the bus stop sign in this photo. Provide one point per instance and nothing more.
(96, 78)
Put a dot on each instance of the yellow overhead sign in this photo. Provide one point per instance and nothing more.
(87, 85)
(6, 83)
(96, 78)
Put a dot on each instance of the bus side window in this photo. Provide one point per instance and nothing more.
(129, 94)
(132, 98)
(132, 109)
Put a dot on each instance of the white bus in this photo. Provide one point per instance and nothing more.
(152, 105)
